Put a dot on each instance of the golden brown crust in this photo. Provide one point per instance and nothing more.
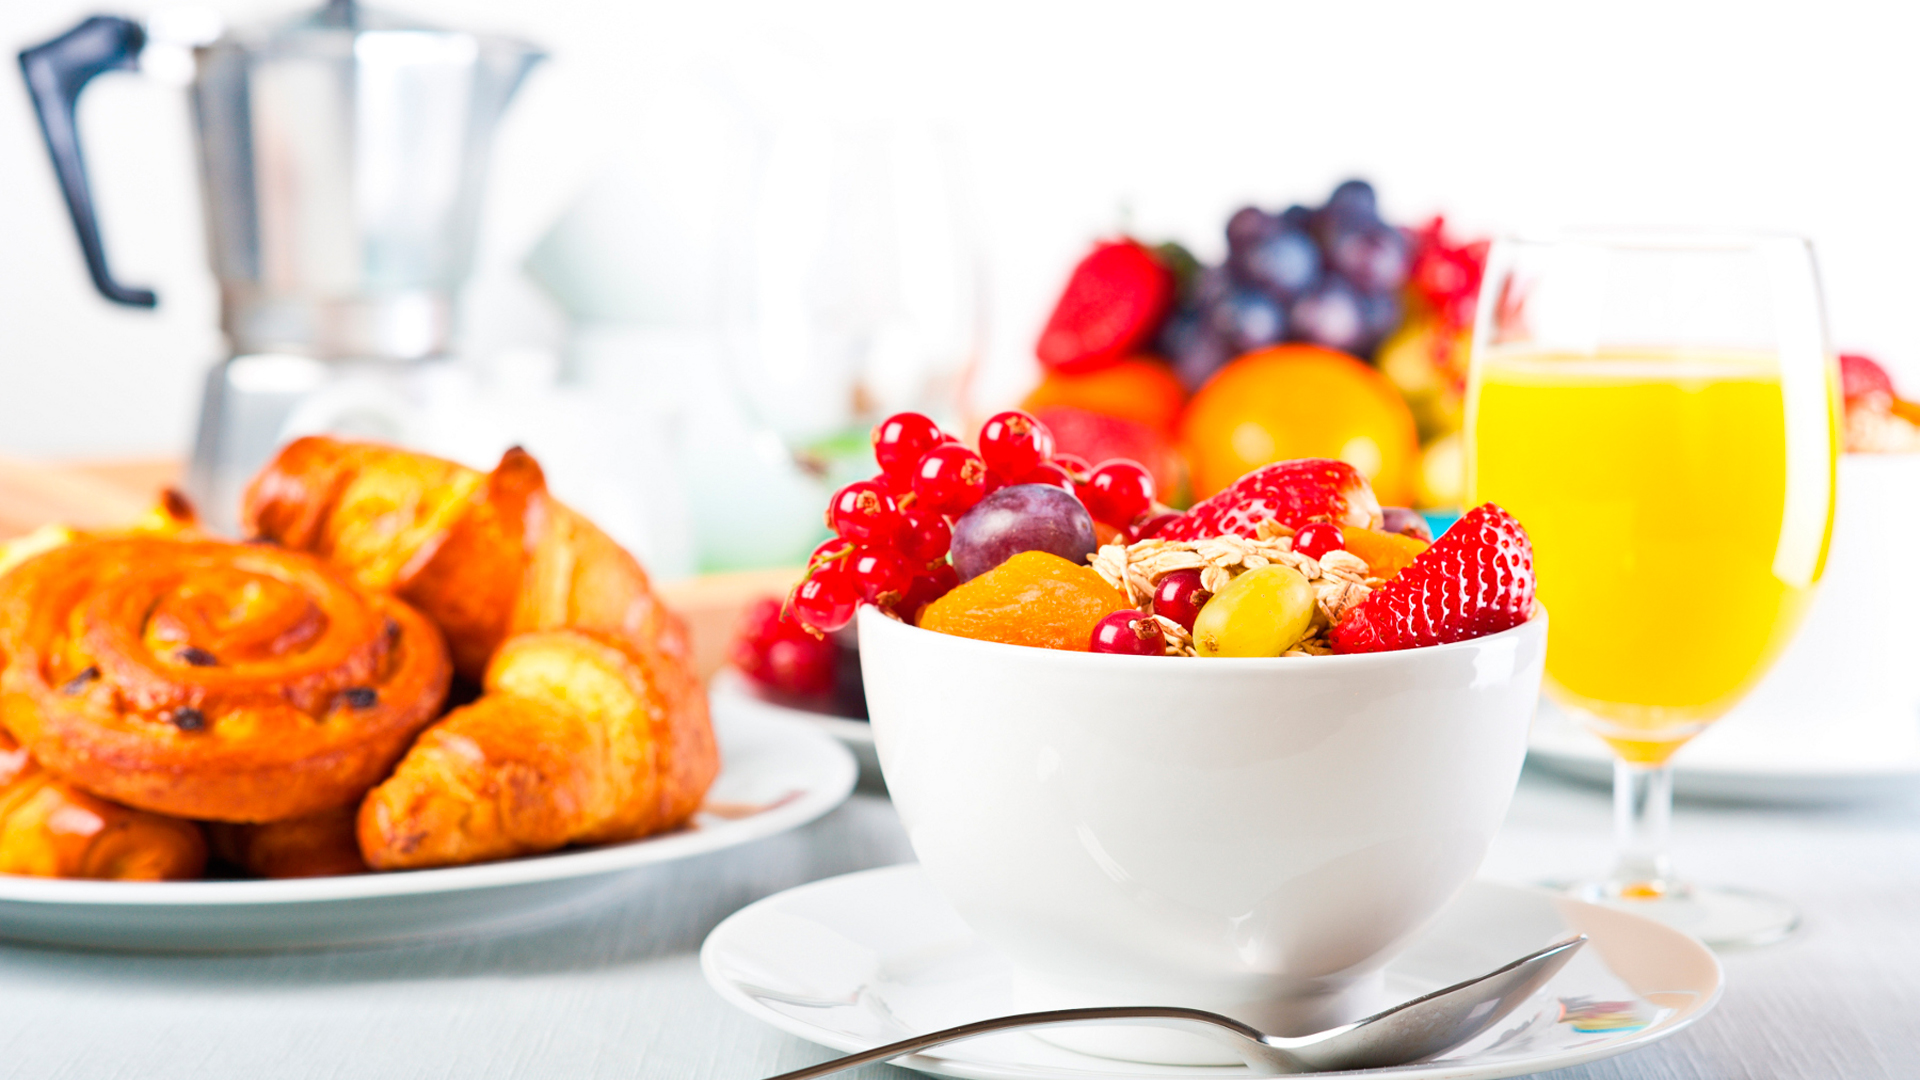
(49, 828)
(573, 743)
(211, 680)
(318, 845)
(520, 583)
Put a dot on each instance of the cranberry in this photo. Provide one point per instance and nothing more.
(1178, 596)
(1012, 443)
(1316, 538)
(1130, 633)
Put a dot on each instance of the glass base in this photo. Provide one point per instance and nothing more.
(1724, 918)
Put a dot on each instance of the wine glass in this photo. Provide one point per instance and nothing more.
(1657, 409)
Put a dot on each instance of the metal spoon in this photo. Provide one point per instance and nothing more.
(1427, 1025)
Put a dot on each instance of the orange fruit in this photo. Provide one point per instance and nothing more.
(1097, 438)
(1139, 388)
(1298, 401)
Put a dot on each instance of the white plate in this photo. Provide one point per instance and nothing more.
(1757, 757)
(865, 959)
(731, 695)
(775, 775)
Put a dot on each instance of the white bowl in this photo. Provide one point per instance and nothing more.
(1257, 837)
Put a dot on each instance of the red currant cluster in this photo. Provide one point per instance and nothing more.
(892, 533)
(778, 653)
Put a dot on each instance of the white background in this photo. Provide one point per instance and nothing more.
(1076, 118)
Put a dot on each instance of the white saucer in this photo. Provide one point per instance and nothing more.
(776, 774)
(729, 694)
(865, 959)
(1754, 756)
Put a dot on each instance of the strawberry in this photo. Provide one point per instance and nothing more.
(1477, 579)
(1290, 492)
(1113, 304)
(1860, 376)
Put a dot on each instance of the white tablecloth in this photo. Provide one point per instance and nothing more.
(617, 991)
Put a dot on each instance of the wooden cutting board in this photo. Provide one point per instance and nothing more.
(97, 494)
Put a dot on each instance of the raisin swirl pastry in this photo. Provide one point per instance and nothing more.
(592, 726)
(210, 680)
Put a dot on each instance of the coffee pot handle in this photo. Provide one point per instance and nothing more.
(56, 71)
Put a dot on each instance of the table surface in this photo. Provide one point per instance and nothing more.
(617, 992)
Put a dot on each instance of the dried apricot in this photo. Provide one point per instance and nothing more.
(1034, 598)
(1386, 553)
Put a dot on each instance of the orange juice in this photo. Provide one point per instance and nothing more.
(1674, 555)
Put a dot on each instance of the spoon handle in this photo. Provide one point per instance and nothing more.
(1229, 1030)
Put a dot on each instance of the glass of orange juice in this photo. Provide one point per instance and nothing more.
(1658, 410)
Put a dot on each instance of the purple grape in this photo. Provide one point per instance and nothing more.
(1285, 264)
(1248, 226)
(1021, 517)
(1399, 519)
(1211, 285)
(1380, 313)
(1248, 319)
(1330, 315)
(1193, 347)
(1354, 197)
(1374, 257)
(1296, 217)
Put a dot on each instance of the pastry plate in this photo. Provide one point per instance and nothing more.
(1757, 757)
(731, 696)
(776, 774)
(865, 959)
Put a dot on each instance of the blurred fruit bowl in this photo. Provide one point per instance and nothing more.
(1325, 332)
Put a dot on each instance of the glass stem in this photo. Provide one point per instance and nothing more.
(1642, 814)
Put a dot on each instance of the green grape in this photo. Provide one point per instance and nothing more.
(1263, 612)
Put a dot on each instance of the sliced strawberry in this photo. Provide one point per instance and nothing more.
(1114, 302)
(1475, 580)
(1290, 492)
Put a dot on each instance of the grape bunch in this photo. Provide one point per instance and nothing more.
(940, 512)
(1332, 276)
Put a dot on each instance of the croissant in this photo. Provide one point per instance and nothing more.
(49, 828)
(318, 845)
(211, 680)
(593, 727)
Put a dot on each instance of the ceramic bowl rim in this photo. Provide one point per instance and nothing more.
(1116, 663)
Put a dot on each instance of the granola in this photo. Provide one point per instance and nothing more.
(1340, 579)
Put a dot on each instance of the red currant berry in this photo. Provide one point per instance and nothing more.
(1150, 524)
(1129, 633)
(1075, 465)
(880, 574)
(938, 580)
(950, 479)
(924, 535)
(1118, 491)
(825, 600)
(1049, 473)
(1316, 538)
(1012, 443)
(901, 440)
(1178, 596)
(832, 551)
(779, 654)
(864, 512)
